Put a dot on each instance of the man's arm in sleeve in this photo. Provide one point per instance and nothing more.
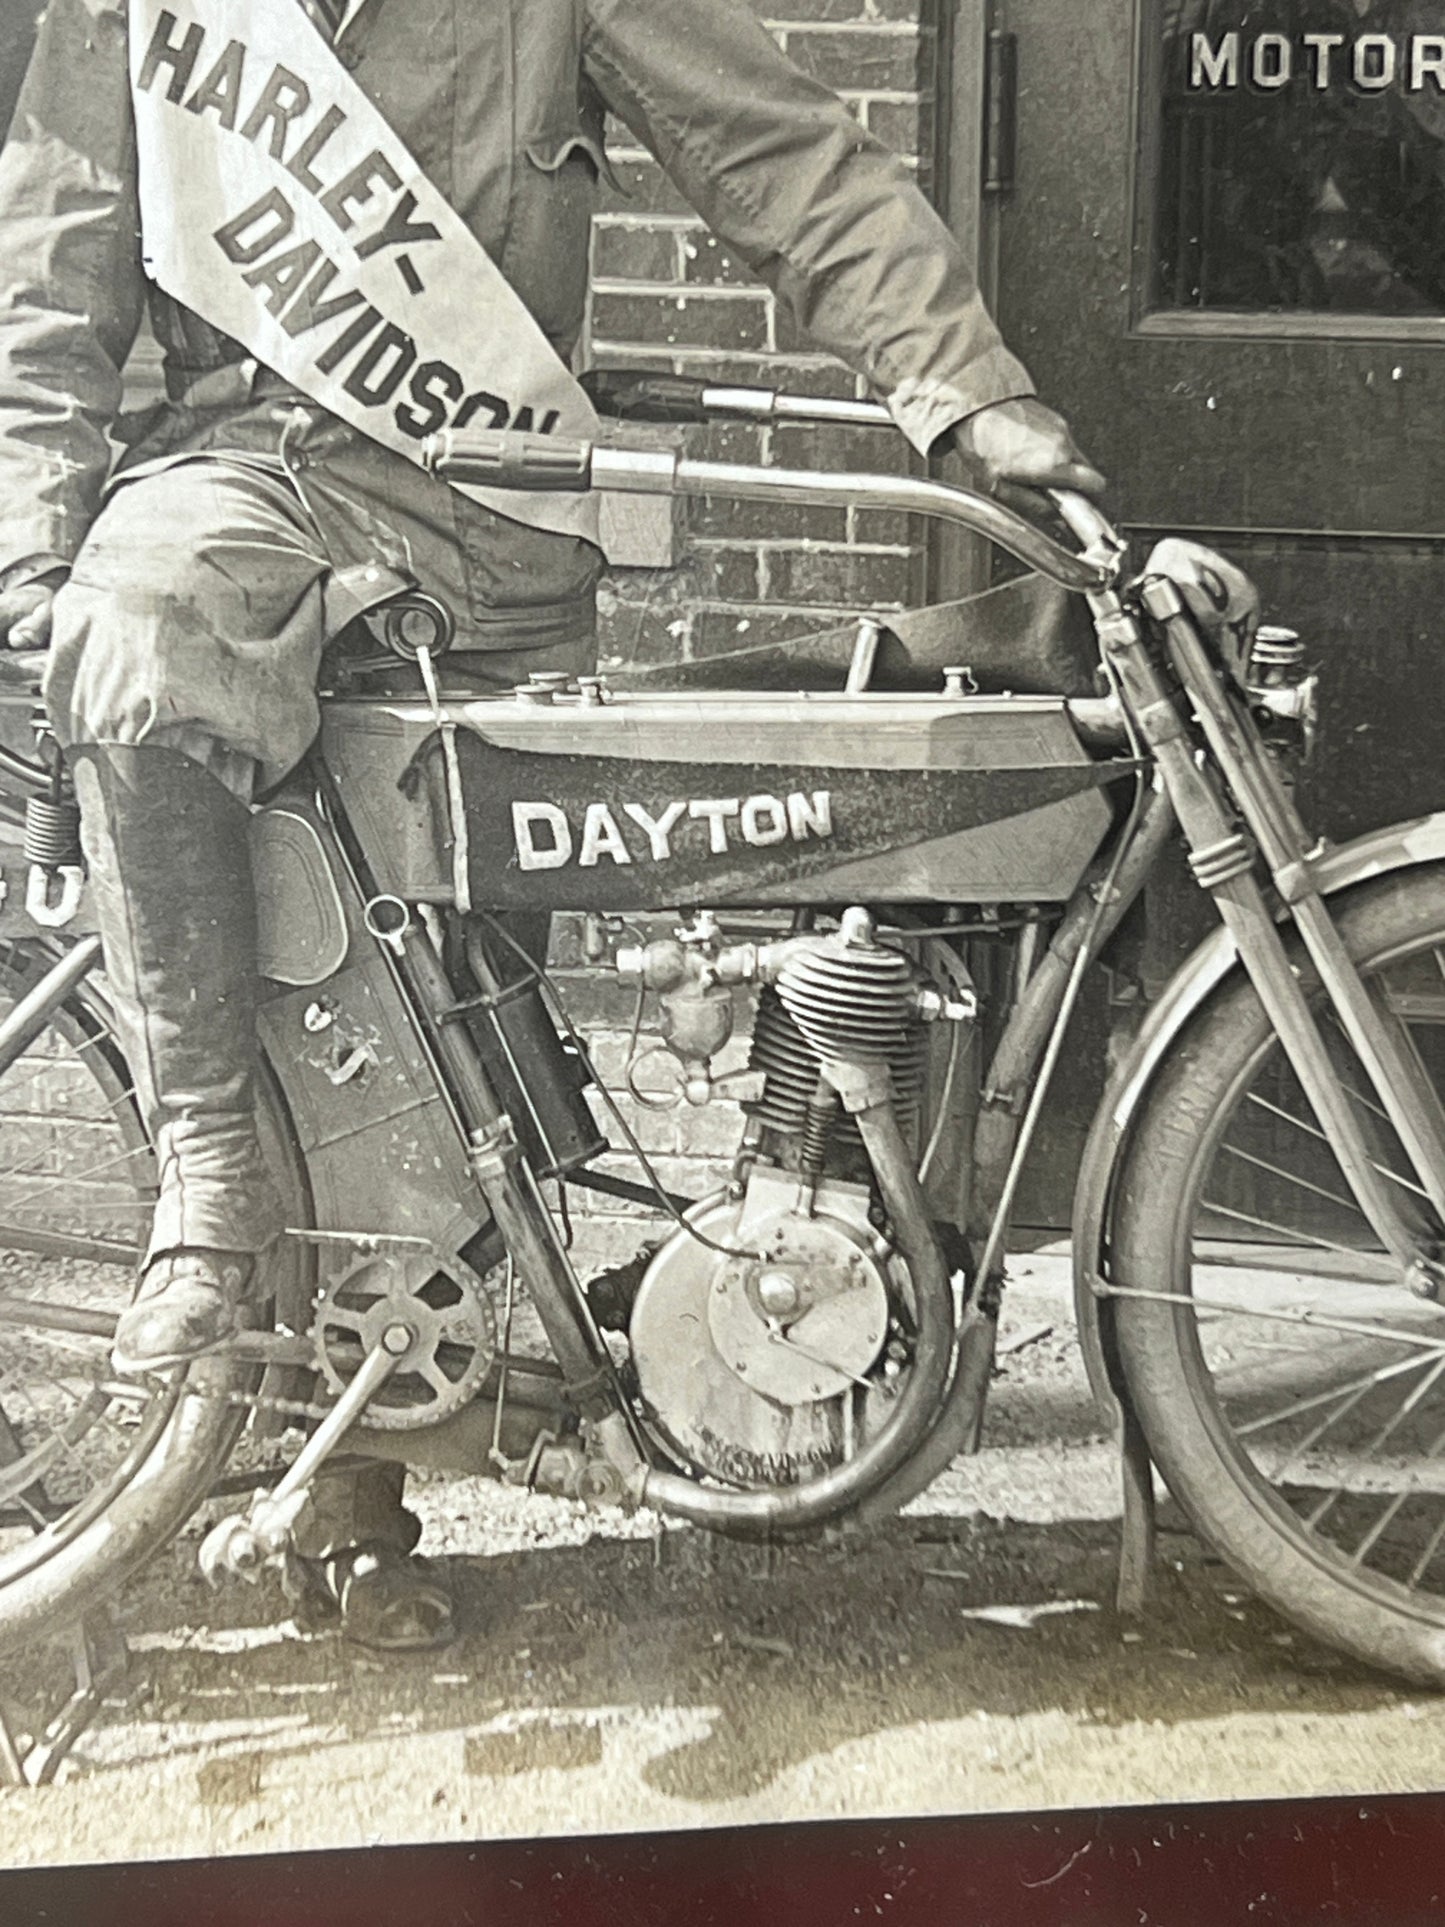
(832, 221)
(71, 283)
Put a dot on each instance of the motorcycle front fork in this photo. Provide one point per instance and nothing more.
(1224, 858)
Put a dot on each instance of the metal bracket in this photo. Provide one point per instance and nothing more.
(456, 793)
(865, 656)
(1161, 598)
(42, 907)
(1222, 862)
(1139, 1527)
(1012, 1102)
(493, 1154)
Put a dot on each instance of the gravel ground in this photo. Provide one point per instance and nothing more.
(613, 1676)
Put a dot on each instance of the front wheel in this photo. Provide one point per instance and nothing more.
(1290, 1385)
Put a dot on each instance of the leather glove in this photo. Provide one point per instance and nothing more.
(1024, 444)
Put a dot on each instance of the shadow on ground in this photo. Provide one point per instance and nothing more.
(771, 1657)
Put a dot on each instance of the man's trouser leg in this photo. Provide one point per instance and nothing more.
(184, 660)
(167, 847)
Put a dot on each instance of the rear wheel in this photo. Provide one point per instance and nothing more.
(96, 1473)
(1291, 1386)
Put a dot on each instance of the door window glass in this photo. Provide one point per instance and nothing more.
(1301, 156)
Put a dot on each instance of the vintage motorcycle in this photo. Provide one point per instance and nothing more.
(893, 854)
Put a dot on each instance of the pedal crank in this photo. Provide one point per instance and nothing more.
(241, 1546)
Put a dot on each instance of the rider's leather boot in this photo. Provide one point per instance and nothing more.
(168, 852)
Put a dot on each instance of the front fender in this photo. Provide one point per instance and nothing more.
(1400, 846)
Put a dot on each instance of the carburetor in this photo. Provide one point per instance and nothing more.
(850, 998)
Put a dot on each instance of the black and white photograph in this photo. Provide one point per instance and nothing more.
(722, 914)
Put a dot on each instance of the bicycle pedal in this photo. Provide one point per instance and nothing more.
(241, 1546)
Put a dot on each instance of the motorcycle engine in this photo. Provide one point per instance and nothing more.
(756, 1368)
(771, 1335)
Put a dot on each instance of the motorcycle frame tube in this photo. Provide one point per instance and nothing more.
(1035, 1011)
(503, 1175)
(1408, 1098)
(804, 1507)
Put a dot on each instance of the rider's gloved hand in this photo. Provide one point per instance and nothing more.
(26, 603)
(1023, 444)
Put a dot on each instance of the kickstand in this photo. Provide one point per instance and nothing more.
(978, 1355)
(101, 1659)
(1139, 1531)
(12, 1767)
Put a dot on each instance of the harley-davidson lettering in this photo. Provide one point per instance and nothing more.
(548, 838)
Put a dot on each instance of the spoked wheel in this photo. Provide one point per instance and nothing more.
(95, 1472)
(1291, 1385)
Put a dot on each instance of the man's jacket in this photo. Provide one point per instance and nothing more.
(502, 104)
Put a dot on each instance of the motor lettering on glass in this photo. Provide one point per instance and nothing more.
(1371, 63)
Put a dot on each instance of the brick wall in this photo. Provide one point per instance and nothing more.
(666, 295)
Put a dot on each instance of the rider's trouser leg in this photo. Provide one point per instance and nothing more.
(168, 851)
(184, 658)
(356, 1502)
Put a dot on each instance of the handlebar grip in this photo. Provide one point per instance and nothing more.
(495, 458)
(1089, 526)
(636, 395)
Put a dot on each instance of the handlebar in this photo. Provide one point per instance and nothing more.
(543, 464)
(685, 401)
(1095, 533)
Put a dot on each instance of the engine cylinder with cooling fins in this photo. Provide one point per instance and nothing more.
(793, 1069)
(851, 998)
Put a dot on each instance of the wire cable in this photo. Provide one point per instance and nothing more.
(543, 978)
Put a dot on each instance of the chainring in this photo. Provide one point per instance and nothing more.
(446, 1306)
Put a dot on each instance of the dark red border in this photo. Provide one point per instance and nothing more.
(1366, 1863)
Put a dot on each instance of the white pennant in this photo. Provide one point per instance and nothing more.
(277, 202)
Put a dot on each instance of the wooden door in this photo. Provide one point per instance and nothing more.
(1223, 256)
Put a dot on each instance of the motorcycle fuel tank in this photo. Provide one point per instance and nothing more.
(620, 802)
